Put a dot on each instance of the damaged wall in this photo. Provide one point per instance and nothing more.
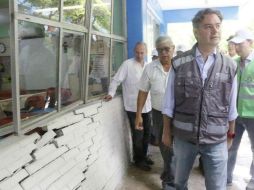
(88, 149)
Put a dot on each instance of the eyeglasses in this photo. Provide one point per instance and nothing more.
(166, 49)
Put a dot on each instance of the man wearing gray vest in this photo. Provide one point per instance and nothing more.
(200, 104)
(243, 41)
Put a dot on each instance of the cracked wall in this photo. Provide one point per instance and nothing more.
(88, 149)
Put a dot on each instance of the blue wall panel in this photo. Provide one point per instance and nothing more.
(137, 21)
(163, 28)
(186, 15)
(134, 24)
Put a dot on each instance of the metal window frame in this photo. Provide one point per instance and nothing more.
(14, 67)
(19, 128)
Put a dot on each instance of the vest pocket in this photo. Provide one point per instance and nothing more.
(191, 89)
(219, 92)
(183, 125)
(217, 124)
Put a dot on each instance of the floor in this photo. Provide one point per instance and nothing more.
(141, 180)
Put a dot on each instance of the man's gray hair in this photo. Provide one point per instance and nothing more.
(198, 18)
(163, 39)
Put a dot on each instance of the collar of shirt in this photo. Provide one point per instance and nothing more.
(158, 64)
(138, 63)
(204, 66)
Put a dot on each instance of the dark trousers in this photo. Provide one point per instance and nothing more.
(140, 138)
(166, 152)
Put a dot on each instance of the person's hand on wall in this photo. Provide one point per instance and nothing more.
(107, 98)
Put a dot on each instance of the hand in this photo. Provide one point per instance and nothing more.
(107, 98)
(229, 142)
(166, 139)
(139, 122)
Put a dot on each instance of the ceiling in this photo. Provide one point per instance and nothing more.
(188, 4)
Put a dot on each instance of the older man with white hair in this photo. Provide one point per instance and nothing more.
(154, 80)
(243, 41)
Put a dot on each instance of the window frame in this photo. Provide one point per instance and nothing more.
(17, 127)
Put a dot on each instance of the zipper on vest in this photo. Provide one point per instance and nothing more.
(200, 115)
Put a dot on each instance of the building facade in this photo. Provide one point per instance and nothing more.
(56, 61)
(57, 58)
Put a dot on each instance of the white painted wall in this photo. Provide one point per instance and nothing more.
(87, 149)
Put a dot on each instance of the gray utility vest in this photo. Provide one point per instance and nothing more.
(201, 111)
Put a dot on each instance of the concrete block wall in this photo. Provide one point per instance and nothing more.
(86, 149)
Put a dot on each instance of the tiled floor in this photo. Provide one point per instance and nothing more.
(140, 180)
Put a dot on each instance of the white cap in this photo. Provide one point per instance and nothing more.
(181, 47)
(241, 36)
(154, 53)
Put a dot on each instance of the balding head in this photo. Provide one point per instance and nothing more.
(140, 51)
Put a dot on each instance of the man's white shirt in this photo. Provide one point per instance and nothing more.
(129, 74)
(154, 79)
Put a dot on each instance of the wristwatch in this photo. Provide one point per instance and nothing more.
(231, 135)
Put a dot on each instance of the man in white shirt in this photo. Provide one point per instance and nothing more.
(129, 75)
(231, 48)
(154, 79)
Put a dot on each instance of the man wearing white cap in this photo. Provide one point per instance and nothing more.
(154, 55)
(231, 48)
(243, 41)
